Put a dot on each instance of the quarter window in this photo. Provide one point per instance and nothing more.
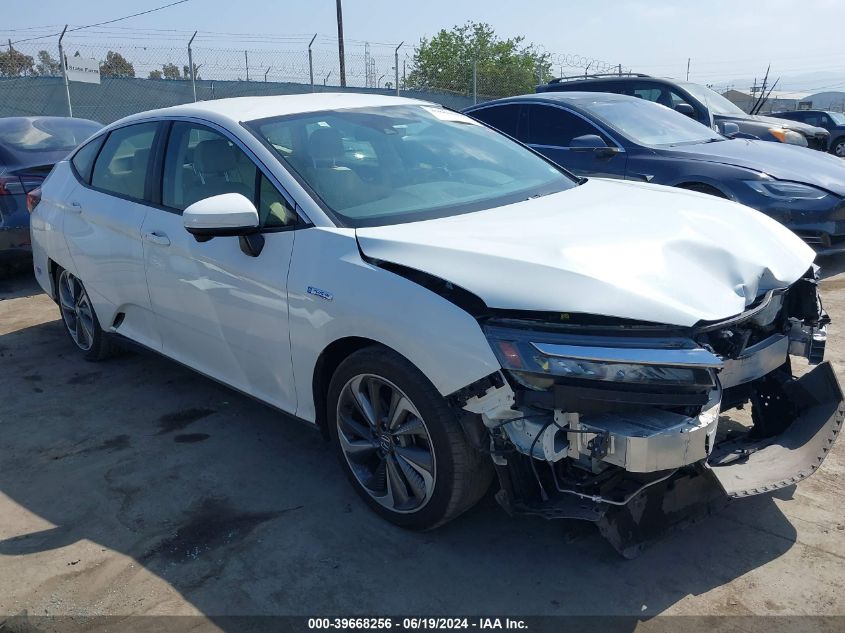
(122, 165)
(83, 160)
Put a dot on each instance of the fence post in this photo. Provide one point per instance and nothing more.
(396, 65)
(191, 66)
(64, 72)
(311, 62)
(246, 62)
(474, 81)
(265, 73)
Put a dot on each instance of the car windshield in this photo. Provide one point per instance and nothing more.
(45, 135)
(838, 119)
(385, 165)
(652, 124)
(716, 103)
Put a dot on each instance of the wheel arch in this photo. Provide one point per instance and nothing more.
(702, 186)
(327, 363)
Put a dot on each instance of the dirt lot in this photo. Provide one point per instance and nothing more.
(135, 486)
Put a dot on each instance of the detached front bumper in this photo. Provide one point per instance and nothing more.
(748, 466)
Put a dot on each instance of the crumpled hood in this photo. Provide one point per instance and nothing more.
(620, 249)
(779, 160)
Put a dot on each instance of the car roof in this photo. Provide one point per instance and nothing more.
(30, 119)
(626, 78)
(238, 109)
(572, 97)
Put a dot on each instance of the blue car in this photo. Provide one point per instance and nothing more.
(29, 147)
(617, 136)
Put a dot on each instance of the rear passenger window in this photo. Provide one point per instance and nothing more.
(503, 118)
(121, 167)
(83, 160)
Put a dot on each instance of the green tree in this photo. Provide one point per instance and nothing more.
(154, 74)
(171, 71)
(47, 66)
(186, 72)
(116, 65)
(504, 67)
(15, 64)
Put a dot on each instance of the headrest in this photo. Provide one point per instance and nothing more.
(214, 156)
(325, 143)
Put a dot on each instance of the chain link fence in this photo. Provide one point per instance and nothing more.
(135, 78)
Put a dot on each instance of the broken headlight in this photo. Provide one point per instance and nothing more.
(538, 360)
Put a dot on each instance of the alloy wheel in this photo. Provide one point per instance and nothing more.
(77, 313)
(839, 149)
(386, 443)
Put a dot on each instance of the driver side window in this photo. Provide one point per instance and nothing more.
(200, 162)
(555, 127)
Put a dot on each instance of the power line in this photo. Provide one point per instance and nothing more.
(126, 17)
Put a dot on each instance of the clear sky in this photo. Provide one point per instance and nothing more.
(728, 40)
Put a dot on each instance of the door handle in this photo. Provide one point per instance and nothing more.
(157, 237)
(75, 207)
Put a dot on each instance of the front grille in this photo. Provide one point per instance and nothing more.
(817, 142)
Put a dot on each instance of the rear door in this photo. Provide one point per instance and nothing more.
(218, 309)
(103, 231)
(551, 129)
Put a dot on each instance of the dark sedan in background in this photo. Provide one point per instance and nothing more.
(29, 147)
(699, 103)
(616, 136)
(833, 122)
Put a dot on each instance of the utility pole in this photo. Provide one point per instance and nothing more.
(63, 60)
(340, 45)
(311, 62)
(689, 59)
(396, 65)
(474, 81)
(191, 66)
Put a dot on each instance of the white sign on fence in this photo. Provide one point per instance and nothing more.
(83, 69)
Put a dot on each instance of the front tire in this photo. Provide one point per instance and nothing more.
(400, 442)
(837, 147)
(79, 318)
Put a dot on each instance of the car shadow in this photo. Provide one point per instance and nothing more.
(245, 512)
(19, 285)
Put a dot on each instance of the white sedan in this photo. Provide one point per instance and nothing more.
(443, 302)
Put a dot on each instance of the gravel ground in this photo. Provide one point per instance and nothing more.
(135, 486)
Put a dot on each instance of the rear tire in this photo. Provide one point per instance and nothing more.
(79, 318)
(400, 443)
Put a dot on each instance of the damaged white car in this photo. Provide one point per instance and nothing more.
(447, 305)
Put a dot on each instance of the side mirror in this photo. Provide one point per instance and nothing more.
(729, 129)
(685, 108)
(592, 143)
(228, 214)
(588, 141)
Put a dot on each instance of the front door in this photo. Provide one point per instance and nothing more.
(220, 310)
